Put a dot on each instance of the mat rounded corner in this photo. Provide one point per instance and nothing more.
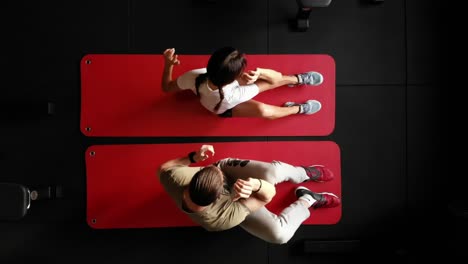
(334, 145)
(91, 223)
(329, 57)
(330, 130)
(85, 131)
(338, 220)
(90, 151)
(86, 59)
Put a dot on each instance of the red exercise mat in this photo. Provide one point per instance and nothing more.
(123, 190)
(121, 96)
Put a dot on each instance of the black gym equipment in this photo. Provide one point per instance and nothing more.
(15, 199)
(303, 13)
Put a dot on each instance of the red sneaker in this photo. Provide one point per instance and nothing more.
(319, 173)
(322, 200)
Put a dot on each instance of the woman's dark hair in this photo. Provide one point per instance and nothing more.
(224, 66)
(206, 185)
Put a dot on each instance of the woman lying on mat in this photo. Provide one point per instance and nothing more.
(233, 192)
(226, 90)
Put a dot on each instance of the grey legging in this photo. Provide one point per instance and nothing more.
(262, 223)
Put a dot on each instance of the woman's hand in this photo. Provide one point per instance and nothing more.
(250, 76)
(205, 152)
(170, 57)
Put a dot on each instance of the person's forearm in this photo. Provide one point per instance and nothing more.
(270, 75)
(166, 77)
(264, 191)
(184, 161)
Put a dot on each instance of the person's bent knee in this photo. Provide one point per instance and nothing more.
(277, 234)
(272, 172)
(279, 239)
(265, 111)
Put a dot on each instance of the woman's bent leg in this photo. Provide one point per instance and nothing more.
(254, 108)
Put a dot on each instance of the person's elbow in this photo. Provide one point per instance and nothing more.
(159, 170)
(162, 168)
(165, 88)
(269, 197)
(170, 87)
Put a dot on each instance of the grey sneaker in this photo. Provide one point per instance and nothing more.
(307, 108)
(309, 78)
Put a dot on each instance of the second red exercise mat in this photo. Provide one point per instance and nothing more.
(123, 189)
(121, 96)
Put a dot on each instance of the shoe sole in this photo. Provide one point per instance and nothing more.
(331, 194)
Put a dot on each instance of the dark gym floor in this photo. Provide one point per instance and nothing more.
(387, 125)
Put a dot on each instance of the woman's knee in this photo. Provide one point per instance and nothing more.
(265, 111)
(255, 109)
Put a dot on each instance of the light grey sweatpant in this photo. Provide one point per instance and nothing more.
(262, 223)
